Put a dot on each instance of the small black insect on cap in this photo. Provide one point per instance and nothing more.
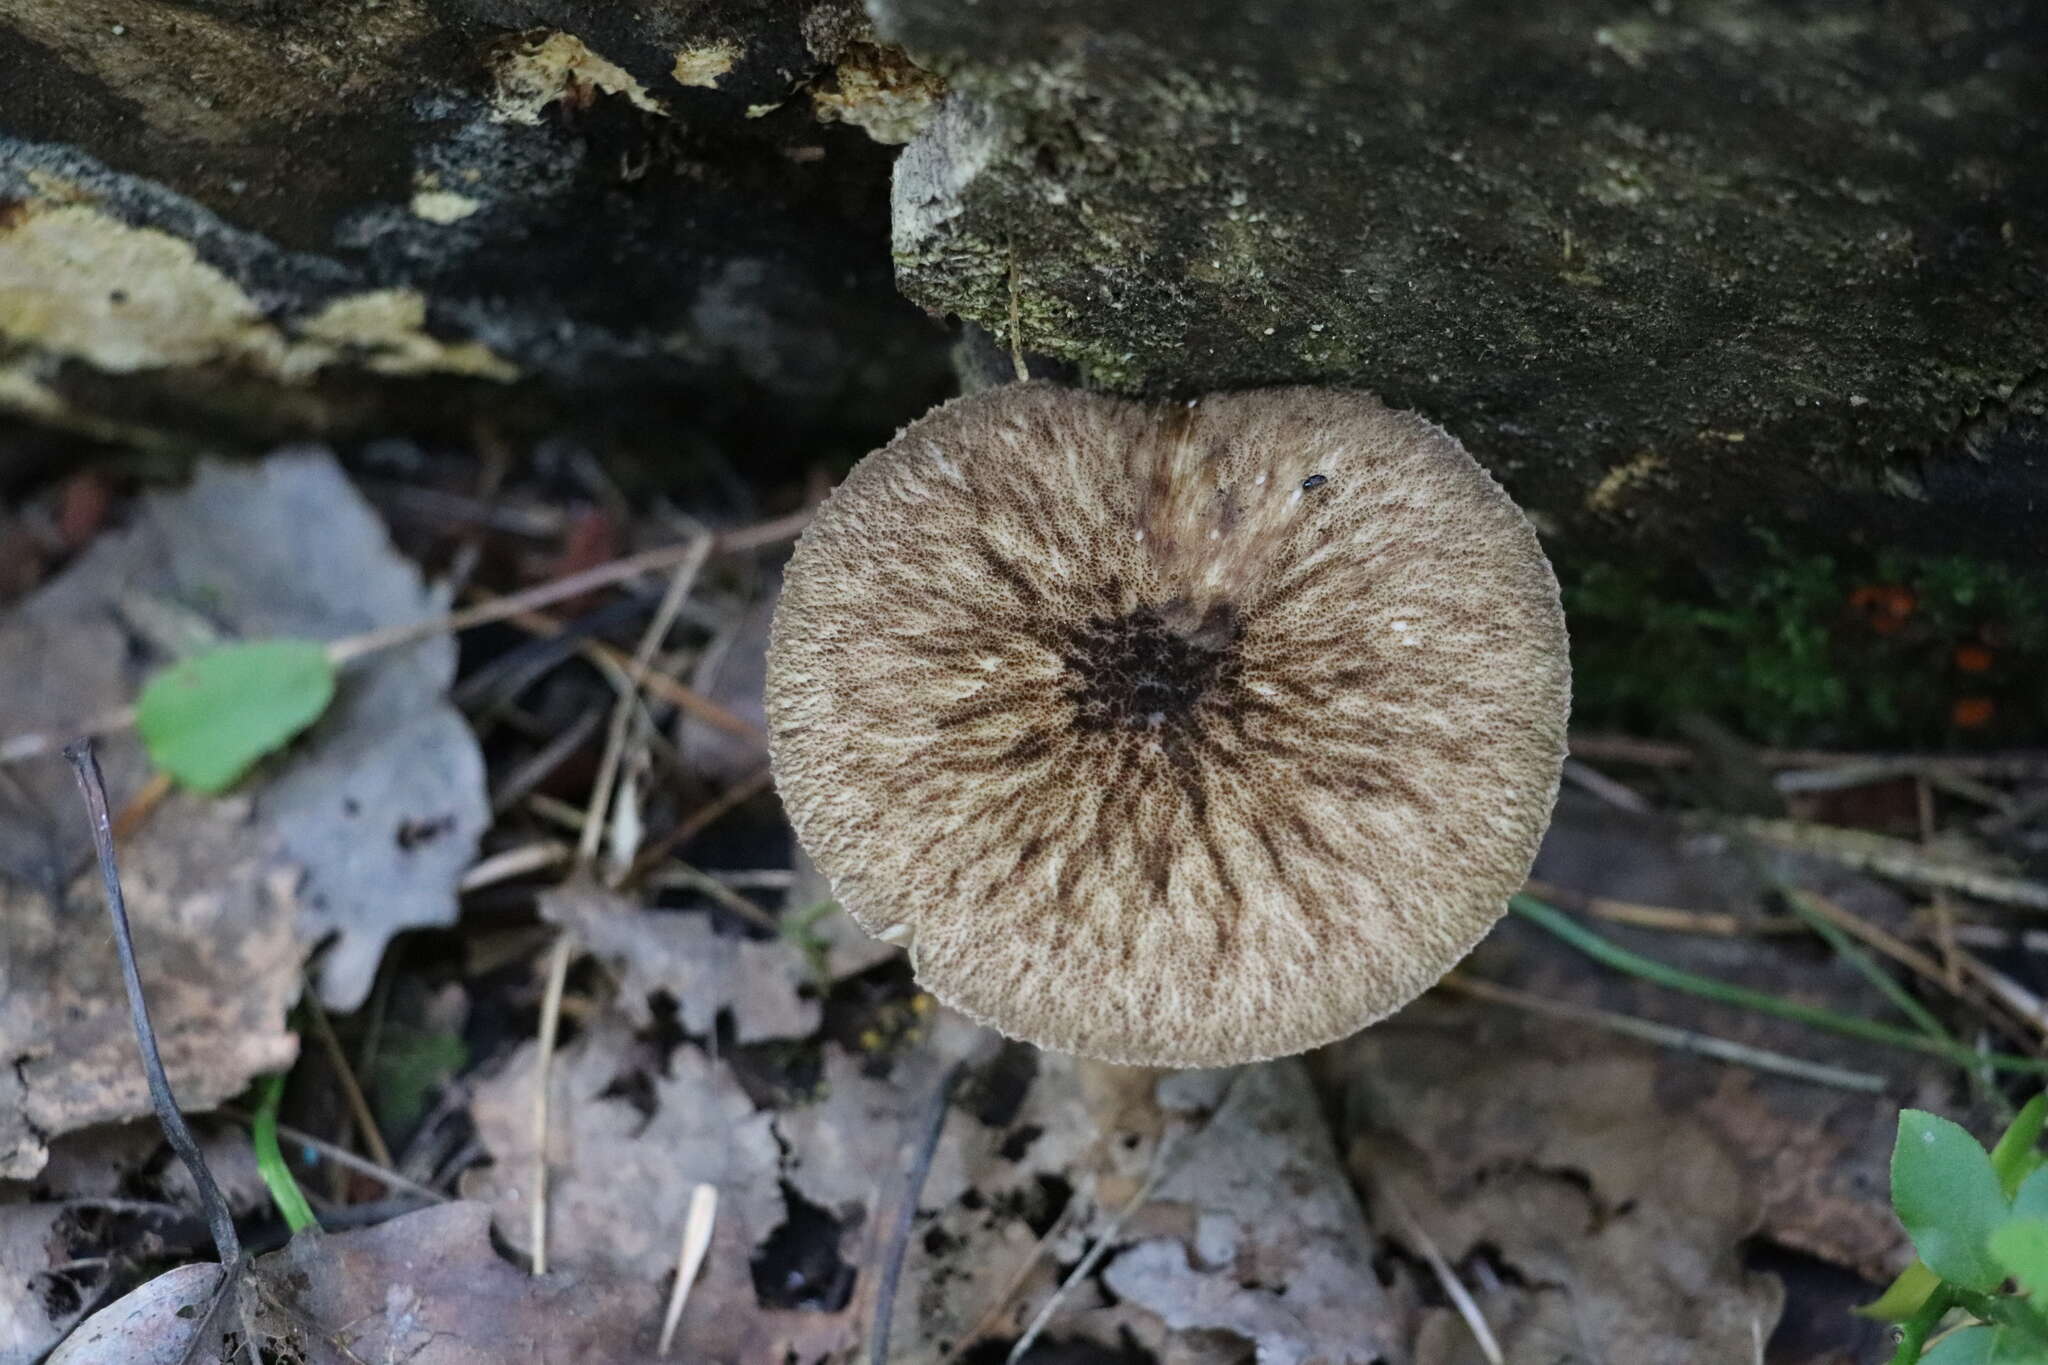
(1313, 482)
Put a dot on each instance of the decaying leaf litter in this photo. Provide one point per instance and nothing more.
(1571, 1189)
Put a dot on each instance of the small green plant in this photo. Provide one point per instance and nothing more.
(207, 720)
(1980, 1223)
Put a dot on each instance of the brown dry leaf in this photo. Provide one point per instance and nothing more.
(1253, 1235)
(1278, 1252)
(1819, 1157)
(36, 1306)
(379, 806)
(685, 956)
(1599, 1194)
(1617, 1223)
(426, 1288)
(150, 1325)
(213, 919)
(632, 1134)
(363, 828)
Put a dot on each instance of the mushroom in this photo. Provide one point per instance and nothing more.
(1171, 736)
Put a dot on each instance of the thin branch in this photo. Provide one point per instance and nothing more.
(1446, 1278)
(1666, 919)
(1673, 978)
(219, 1221)
(697, 821)
(351, 1091)
(1656, 753)
(550, 1021)
(1666, 1035)
(573, 585)
(1894, 858)
(342, 1156)
(906, 1212)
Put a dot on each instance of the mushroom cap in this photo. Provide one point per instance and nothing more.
(1171, 736)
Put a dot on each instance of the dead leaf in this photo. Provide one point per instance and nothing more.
(37, 1304)
(684, 956)
(1617, 1225)
(213, 923)
(362, 829)
(380, 805)
(151, 1325)
(1279, 1253)
(632, 1134)
(427, 1289)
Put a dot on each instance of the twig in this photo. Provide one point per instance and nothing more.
(1715, 923)
(1649, 969)
(663, 686)
(351, 1091)
(698, 820)
(1893, 858)
(17, 747)
(684, 875)
(680, 583)
(530, 773)
(1654, 753)
(219, 1221)
(1944, 910)
(1105, 1239)
(342, 1156)
(133, 816)
(1666, 1035)
(1866, 967)
(573, 585)
(513, 862)
(697, 1225)
(2009, 993)
(1616, 794)
(906, 1212)
(339, 652)
(1011, 1285)
(1454, 1288)
(1813, 904)
(550, 1022)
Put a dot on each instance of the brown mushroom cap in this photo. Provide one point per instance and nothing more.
(1177, 736)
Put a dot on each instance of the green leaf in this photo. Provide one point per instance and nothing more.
(1971, 1346)
(2014, 1157)
(1903, 1297)
(2021, 1246)
(2031, 1201)
(207, 720)
(1948, 1197)
(1981, 1345)
(409, 1065)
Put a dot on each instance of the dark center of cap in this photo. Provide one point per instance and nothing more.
(1149, 671)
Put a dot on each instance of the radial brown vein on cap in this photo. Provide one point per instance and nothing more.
(1174, 736)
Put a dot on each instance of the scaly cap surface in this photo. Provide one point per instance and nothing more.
(1172, 736)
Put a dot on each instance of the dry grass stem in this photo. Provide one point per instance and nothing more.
(1893, 858)
(1666, 1035)
(1446, 1278)
(344, 1074)
(514, 862)
(697, 1226)
(1711, 923)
